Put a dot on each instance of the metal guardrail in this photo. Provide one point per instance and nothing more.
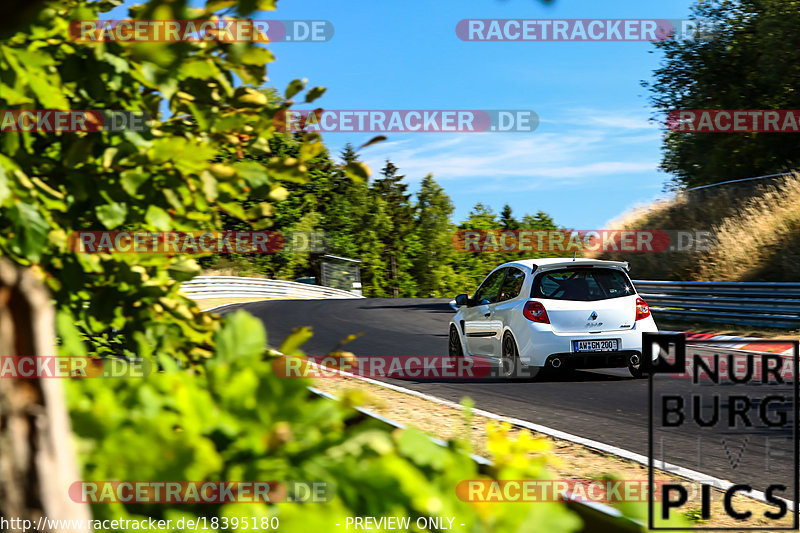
(739, 181)
(204, 287)
(755, 303)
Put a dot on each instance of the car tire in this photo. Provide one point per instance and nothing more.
(454, 348)
(510, 365)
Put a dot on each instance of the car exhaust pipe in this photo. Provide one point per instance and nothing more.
(634, 360)
(555, 362)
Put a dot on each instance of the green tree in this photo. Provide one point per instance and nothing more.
(354, 221)
(507, 220)
(345, 215)
(473, 266)
(183, 173)
(433, 265)
(539, 221)
(391, 189)
(748, 58)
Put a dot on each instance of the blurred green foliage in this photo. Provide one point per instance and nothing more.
(235, 419)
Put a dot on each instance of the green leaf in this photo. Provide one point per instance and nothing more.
(112, 215)
(255, 174)
(376, 139)
(45, 93)
(108, 156)
(132, 179)
(294, 87)
(209, 185)
(257, 55)
(30, 231)
(187, 156)
(241, 337)
(119, 64)
(71, 343)
(298, 336)
(158, 218)
(422, 450)
(12, 96)
(314, 93)
(183, 269)
(216, 5)
(231, 123)
(5, 191)
(9, 141)
(234, 208)
(200, 69)
(309, 150)
(357, 171)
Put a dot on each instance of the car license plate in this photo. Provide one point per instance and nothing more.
(602, 345)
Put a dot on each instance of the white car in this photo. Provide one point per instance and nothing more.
(556, 313)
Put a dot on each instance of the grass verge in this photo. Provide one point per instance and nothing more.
(570, 461)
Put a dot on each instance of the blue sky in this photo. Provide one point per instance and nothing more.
(594, 154)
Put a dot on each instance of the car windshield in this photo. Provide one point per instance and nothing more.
(582, 284)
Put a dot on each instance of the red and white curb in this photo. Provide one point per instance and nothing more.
(747, 344)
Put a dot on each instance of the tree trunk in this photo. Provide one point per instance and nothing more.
(37, 459)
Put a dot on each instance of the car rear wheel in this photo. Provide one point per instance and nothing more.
(510, 361)
(454, 344)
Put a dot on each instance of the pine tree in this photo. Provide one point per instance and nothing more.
(507, 219)
(433, 265)
(391, 189)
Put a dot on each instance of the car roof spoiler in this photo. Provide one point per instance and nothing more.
(578, 264)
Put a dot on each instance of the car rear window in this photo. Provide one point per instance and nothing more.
(581, 284)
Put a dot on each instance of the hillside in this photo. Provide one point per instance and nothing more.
(756, 228)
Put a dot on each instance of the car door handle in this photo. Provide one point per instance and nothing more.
(487, 315)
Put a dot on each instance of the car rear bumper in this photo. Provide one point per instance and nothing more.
(540, 342)
(618, 359)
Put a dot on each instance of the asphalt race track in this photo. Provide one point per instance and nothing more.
(604, 405)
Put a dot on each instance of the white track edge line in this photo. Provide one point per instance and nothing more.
(680, 471)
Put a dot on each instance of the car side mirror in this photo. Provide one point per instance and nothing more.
(462, 300)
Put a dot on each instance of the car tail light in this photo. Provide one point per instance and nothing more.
(535, 312)
(642, 309)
